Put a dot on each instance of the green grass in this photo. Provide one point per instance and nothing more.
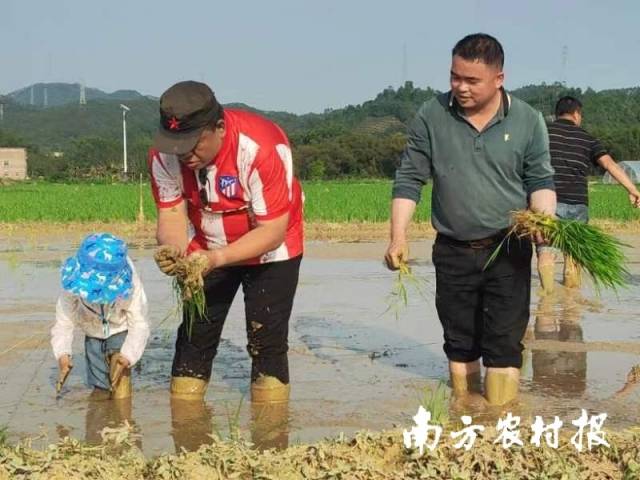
(327, 201)
(355, 201)
(57, 202)
(611, 201)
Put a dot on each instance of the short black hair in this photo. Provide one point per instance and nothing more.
(218, 115)
(480, 46)
(568, 105)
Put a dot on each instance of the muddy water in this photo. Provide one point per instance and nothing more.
(352, 367)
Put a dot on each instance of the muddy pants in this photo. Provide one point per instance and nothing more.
(484, 311)
(269, 290)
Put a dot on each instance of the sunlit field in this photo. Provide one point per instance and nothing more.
(326, 201)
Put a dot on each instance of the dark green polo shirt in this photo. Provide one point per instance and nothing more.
(478, 177)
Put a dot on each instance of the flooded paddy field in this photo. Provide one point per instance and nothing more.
(352, 366)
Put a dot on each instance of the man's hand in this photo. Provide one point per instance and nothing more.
(215, 259)
(166, 257)
(634, 198)
(397, 253)
(538, 239)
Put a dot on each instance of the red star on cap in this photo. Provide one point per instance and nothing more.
(174, 123)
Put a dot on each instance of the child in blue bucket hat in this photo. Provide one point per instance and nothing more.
(103, 296)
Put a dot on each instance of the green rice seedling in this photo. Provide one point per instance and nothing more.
(435, 399)
(188, 284)
(399, 296)
(192, 300)
(234, 433)
(594, 251)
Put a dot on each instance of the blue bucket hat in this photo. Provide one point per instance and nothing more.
(99, 272)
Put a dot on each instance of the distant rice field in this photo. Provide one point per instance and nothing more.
(326, 201)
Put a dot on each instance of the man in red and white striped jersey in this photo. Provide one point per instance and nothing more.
(223, 183)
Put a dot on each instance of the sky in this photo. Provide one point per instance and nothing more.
(305, 56)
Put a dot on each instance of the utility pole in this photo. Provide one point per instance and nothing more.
(83, 97)
(125, 109)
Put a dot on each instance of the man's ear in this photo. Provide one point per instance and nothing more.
(220, 125)
(578, 117)
(500, 79)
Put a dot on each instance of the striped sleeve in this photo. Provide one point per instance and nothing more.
(597, 151)
(166, 179)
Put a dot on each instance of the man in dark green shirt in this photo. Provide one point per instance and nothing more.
(488, 155)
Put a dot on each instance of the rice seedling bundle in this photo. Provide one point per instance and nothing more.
(188, 284)
(594, 251)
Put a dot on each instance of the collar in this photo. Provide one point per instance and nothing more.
(100, 310)
(566, 121)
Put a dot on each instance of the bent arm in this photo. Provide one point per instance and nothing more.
(267, 236)
(616, 171)
(137, 325)
(172, 226)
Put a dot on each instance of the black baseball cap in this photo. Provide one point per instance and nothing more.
(186, 109)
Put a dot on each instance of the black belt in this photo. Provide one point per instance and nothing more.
(475, 244)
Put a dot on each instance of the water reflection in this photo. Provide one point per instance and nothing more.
(558, 318)
(270, 426)
(104, 412)
(191, 424)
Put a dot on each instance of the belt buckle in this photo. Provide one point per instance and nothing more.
(479, 244)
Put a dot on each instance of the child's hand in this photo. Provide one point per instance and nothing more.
(122, 361)
(64, 363)
(166, 257)
(118, 366)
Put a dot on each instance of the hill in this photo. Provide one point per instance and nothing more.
(357, 140)
(45, 95)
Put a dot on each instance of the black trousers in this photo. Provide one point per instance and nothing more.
(269, 290)
(484, 312)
